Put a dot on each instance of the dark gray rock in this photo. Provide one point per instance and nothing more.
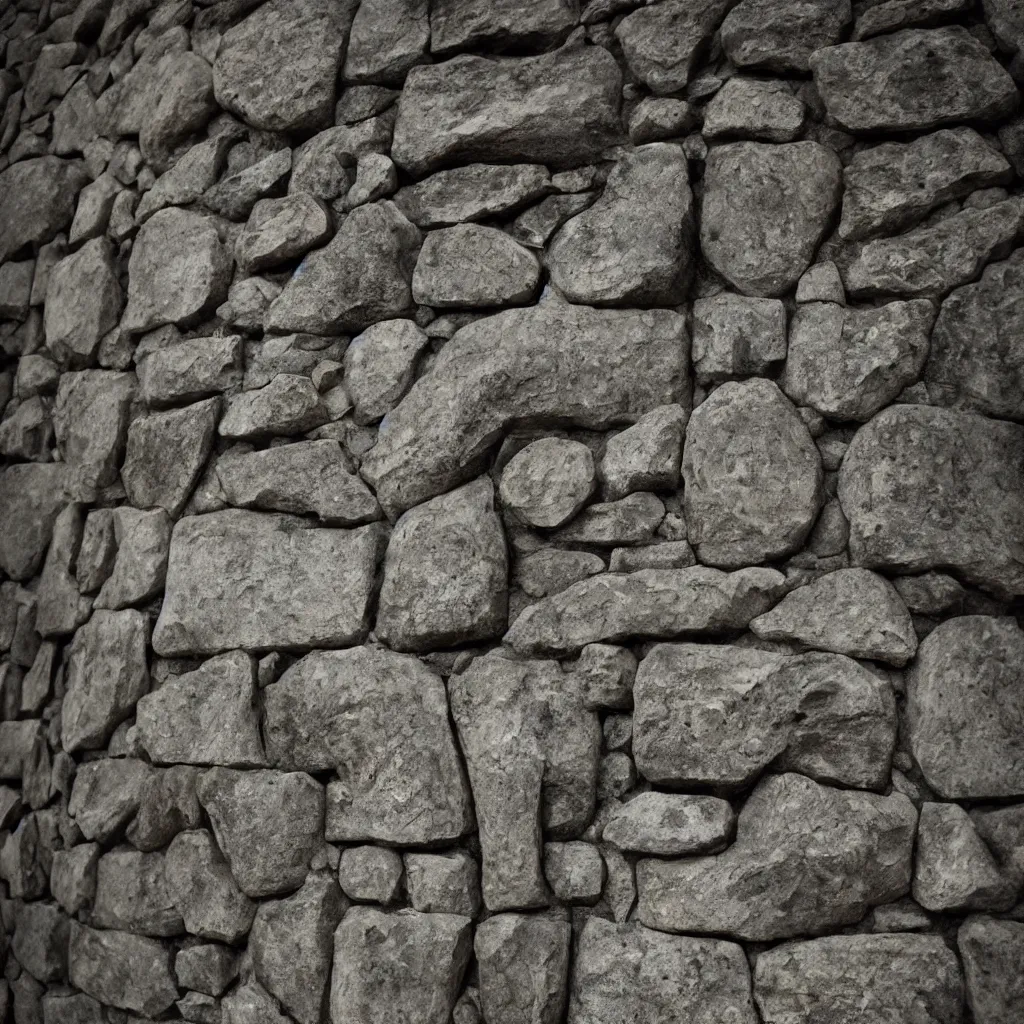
(73, 876)
(371, 874)
(196, 171)
(106, 794)
(208, 968)
(485, 25)
(31, 496)
(61, 609)
(380, 365)
(324, 165)
(773, 36)
(896, 14)
(188, 370)
(548, 482)
(37, 199)
(656, 118)
(143, 539)
(737, 336)
(132, 895)
(167, 805)
(40, 941)
(388, 38)
(235, 195)
(991, 952)
(749, 108)
(279, 230)
(535, 225)
(671, 825)
(575, 870)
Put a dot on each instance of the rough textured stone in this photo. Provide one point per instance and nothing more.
(289, 404)
(930, 488)
(766, 209)
(255, 581)
(40, 940)
(235, 196)
(350, 711)
(73, 876)
(370, 874)
(774, 36)
(279, 230)
(380, 365)
(37, 199)
(167, 805)
(140, 567)
(646, 456)
(208, 968)
(671, 825)
(807, 859)
(912, 80)
(61, 609)
(443, 883)
(388, 38)
(575, 872)
(749, 108)
(484, 24)
(106, 794)
(991, 952)
(31, 497)
(548, 481)
(132, 895)
(630, 520)
(189, 370)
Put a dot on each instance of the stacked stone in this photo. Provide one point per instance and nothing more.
(511, 512)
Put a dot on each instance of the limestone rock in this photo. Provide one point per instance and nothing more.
(991, 951)
(31, 497)
(37, 199)
(766, 210)
(350, 711)
(633, 247)
(256, 581)
(388, 38)
(279, 230)
(445, 573)
(379, 367)
(671, 825)
(132, 895)
(737, 336)
(288, 405)
(807, 859)
(483, 24)
(548, 481)
(749, 108)
(773, 36)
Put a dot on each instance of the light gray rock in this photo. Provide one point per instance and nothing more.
(548, 361)
(390, 968)
(143, 540)
(288, 405)
(235, 196)
(483, 24)
(720, 715)
(821, 282)
(630, 520)
(646, 456)
(31, 496)
(188, 370)
(324, 164)
(634, 246)
(443, 883)
(750, 108)
(251, 1003)
(16, 289)
(38, 201)
(963, 706)
(106, 794)
(766, 210)
(850, 611)
(208, 968)
(362, 275)
(388, 37)
(606, 673)
(912, 80)
(548, 482)
(930, 488)
(752, 476)
(290, 945)
(379, 367)
(276, 69)
(523, 960)
(258, 582)
(349, 711)
(519, 722)
(184, 106)
(560, 109)
(196, 171)
(931, 260)
(772, 36)
(471, 265)
(1002, 830)
(849, 363)
(862, 978)
(61, 609)
(27, 431)
(178, 273)
(575, 872)
(807, 859)
(445, 573)
(652, 603)
(106, 675)
(991, 951)
(895, 185)
(737, 336)
(671, 825)
(279, 230)
(298, 354)
(132, 895)
(370, 874)
(620, 968)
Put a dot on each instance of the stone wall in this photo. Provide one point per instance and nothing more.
(511, 512)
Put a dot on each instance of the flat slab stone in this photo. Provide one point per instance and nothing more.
(560, 109)
(588, 367)
(37, 199)
(928, 488)
(671, 824)
(484, 25)
(720, 715)
(350, 711)
(259, 581)
(807, 859)
(192, 369)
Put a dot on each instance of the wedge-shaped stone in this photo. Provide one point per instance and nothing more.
(892, 186)
(282, 229)
(807, 859)
(927, 488)
(560, 109)
(859, 979)
(652, 603)
(622, 969)
(720, 715)
(132, 895)
(634, 246)
(31, 497)
(519, 722)
(188, 370)
(255, 581)
(350, 711)
(912, 80)
(588, 367)
(671, 824)
(851, 611)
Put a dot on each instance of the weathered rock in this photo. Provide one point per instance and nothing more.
(143, 539)
(655, 118)
(27, 431)
(737, 336)
(269, 825)
(276, 69)
(1002, 829)
(912, 80)
(251, 1003)
(930, 488)
(361, 276)
(73, 876)
(254, 581)
(851, 611)
(235, 196)
(379, 367)
(895, 185)
(291, 944)
(189, 370)
(575, 870)
(388, 38)
(208, 968)
(849, 363)
(298, 354)
(633, 247)
(16, 289)
(620, 968)
(204, 891)
(122, 970)
(31, 497)
(671, 825)
(40, 941)
(443, 883)
(773, 36)
(766, 210)
(288, 405)
(931, 260)
(37, 199)
(523, 960)
(560, 109)
(106, 675)
(896, 14)
(187, 180)
(821, 282)
(132, 895)
(749, 108)
(630, 520)
(167, 805)
(480, 24)
(991, 952)
(445, 573)
(83, 303)
(862, 979)
(548, 481)
(106, 794)
(370, 874)
(178, 273)
(517, 722)
(350, 711)
(470, 265)
(807, 859)
(535, 225)
(394, 967)
(322, 166)
(61, 609)
(279, 230)
(646, 456)
(548, 361)
(742, 710)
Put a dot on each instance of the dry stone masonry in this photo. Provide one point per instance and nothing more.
(511, 512)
